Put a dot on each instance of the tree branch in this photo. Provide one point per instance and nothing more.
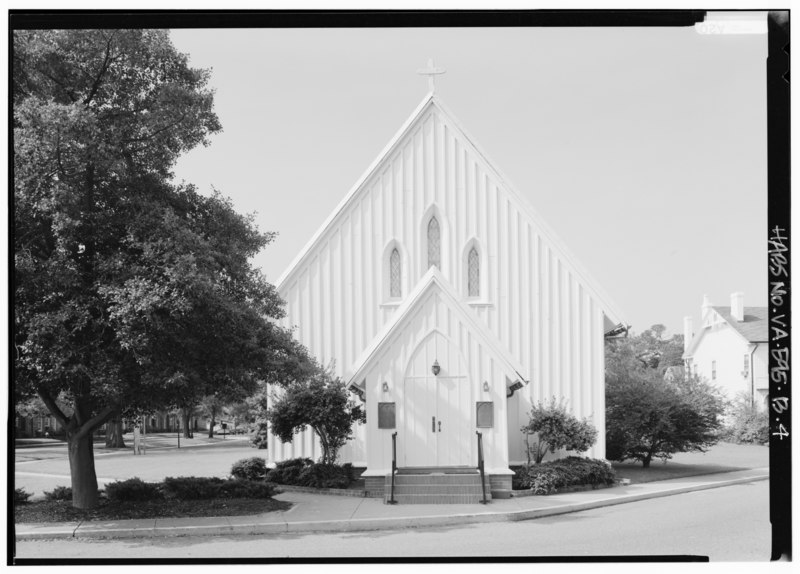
(100, 418)
(51, 405)
(99, 78)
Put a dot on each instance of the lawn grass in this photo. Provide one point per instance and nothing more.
(62, 510)
(659, 471)
(722, 457)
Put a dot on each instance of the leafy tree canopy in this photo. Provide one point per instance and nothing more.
(649, 416)
(130, 293)
(321, 402)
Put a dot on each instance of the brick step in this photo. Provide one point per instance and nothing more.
(437, 498)
(437, 470)
(437, 479)
(438, 489)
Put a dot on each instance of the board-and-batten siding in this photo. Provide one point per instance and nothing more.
(533, 302)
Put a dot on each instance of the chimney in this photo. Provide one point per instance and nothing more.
(688, 333)
(737, 306)
(705, 309)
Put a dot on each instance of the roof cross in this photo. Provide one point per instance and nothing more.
(431, 71)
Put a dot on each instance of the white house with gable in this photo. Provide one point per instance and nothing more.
(730, 350)
(449, 307)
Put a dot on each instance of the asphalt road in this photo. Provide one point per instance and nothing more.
(725, 524)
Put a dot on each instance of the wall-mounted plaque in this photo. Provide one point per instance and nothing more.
(386, 415)
(485, 414)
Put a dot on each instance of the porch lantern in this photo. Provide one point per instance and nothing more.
(385, 387)
(486, 386)
(435, 368)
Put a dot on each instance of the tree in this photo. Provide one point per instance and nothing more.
(556, 429)
(320, 401)
(649, 417)
(131, 294)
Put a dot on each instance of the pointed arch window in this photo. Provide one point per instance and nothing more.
(473, 273)
(395, 274)
(434, 243)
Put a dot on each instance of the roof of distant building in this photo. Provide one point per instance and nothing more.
(754, 328)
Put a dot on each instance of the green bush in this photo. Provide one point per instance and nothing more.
(549, 477)
(324, 476)
(204, 488)
(59, 493)
(746, 423)
(237, 488)
(21, 496)
(258, 436)
(288, 471)
(556, 429)
(133, 490)
(191, 487)
(254, 468)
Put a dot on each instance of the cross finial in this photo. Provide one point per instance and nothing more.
(431, 71)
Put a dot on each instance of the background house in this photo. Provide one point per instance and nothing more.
(730, 349)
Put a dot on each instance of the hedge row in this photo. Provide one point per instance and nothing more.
(549, 477)
(305, 472)
(187, 488)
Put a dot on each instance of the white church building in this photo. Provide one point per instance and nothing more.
(448, 306)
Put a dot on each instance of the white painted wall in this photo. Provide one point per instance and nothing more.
(721, 343)
(533, 297)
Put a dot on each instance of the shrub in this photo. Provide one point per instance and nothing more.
(258, 437)
(59, 493)
(556, 429)
(746, 423)
(133, 490)
(204, 488)
(322, 475)
(21, 496)
(550, 476)
(254, 468)
(237, 488)
(649, 417)
(288, 471)
(192, 487)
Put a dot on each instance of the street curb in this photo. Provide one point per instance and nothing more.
(96, 531)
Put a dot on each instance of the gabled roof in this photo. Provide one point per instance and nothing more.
(432, 280)
(430, 100)
(754, 328)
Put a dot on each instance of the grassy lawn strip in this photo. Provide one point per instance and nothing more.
(659, 471)
(62, 510)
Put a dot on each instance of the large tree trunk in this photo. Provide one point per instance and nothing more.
(114, 434)
(82, 473)
(211, 428)
(187, 429)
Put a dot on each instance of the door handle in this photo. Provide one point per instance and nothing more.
(433, 424)
(440, 426)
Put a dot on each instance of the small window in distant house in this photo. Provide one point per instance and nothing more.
(713, 370)
(434, 243)
(473, 273)
(746, 371)
(394, 274)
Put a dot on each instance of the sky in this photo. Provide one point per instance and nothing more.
(643, 148)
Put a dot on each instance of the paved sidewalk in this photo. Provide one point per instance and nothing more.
(322, 513)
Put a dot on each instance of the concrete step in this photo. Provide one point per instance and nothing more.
(439, 489)
(436, 488)
(437, 479)
(437, 470)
